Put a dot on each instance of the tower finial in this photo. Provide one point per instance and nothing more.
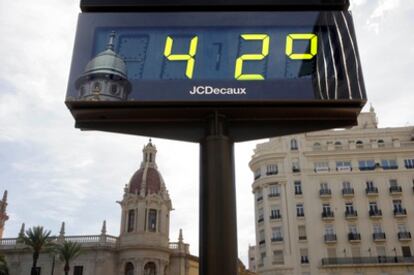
(111, 41)
(62, 230)
(180, 236)
(21, 233)
(103, 230)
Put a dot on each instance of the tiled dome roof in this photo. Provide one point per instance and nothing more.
(147, 176)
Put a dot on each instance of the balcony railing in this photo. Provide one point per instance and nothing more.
(300, 214)
(390, 167)
(375, 213)
(262, 242)
(354, 237)
(351, 214)
(396, 189)
(277, 239)
(344, 168)
(276, 217)
(400, 212)
(325, 192)
(371, 191)
(328, 215)
(404, 236)
(259, 220)
(330, 238)
(274, 195)
(259, 199)
(298, 192)
(379, 236)
(347, 192)
(367, 260)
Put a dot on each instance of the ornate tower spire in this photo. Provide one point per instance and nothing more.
(111, 41)
(149, 154)
(103, 230)
(180, 236)
(3, 215)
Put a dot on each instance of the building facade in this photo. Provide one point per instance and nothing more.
(335, 202)
(142, 248)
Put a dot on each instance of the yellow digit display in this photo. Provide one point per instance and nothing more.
(238, 74)
(182, 57)
(313, 39)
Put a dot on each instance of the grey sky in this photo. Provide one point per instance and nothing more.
(55, 173)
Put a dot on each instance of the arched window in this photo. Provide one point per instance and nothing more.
(338, 145)
(96, 87)
(150, 269)
(381, 143)
(359, 144)
(293, 144)
(131, 220)
(129, 268)
(317, 146)
(152, 220)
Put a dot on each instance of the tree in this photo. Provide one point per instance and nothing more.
(68, 251)
(4, 270)
(37, 238)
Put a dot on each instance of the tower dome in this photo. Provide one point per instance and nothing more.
(105, 77)
(147, 180)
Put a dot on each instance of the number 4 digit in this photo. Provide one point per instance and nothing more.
(182, 57)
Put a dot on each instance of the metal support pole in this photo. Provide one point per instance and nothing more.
(218, 223)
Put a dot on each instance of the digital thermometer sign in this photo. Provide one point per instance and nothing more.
(184, 65)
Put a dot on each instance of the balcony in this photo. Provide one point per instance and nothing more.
(298, 192)
(379, 237)
(260, 220)
(354, 237)
(295, 170)
(325, 193)
(274, 195)
(364, 261)
(259, 199)
(304, 260)
(351, 214)
(277, 239)
(396, 190)
(404, 236)
(276, 217)
(271, 173)
(303, 238)
(400, 212)
(371, 191)
(262, 242)
(330, 238)
(344, 168)
(322, 170)
(390, 167)
(300, 214)
(348, 192)
(328, 215)
(375, 214)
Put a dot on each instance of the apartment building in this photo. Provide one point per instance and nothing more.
(335, 202)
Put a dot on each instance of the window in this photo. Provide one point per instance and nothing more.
(274, 190)
(389, 164)
(343, 166)
(259, 195)
(317, 146)
(295, 166)
(38, 270)
(78, 270)
(321, 166)
(293, 144)
(298, 188)
(326, 207)
(370, 184)
(257, 174)
(150, 269)
(353, 229)
(393, 183)
(260, 215)
(329, 229)
(131, 220)
(406, 251)
(278, 257)
(300, 212)
(302, 232)
(366, 165)
(402, 228)
(304, 258)
(381, 143)
(114, 89)
(152, 220)
(373, 207)
(271, 169)
(409, 163)
(277, 234)
(338, 145)
(262, 257)
(376, 228)
(349, 207)
(129, 269)
(359, 144)
(275, 212)
(97, 87)
(261, 237)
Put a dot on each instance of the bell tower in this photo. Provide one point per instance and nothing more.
(146, 205)
(3, 215)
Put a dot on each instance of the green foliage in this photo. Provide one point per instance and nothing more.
(4, 270)
(68, 251)
(37, 238)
